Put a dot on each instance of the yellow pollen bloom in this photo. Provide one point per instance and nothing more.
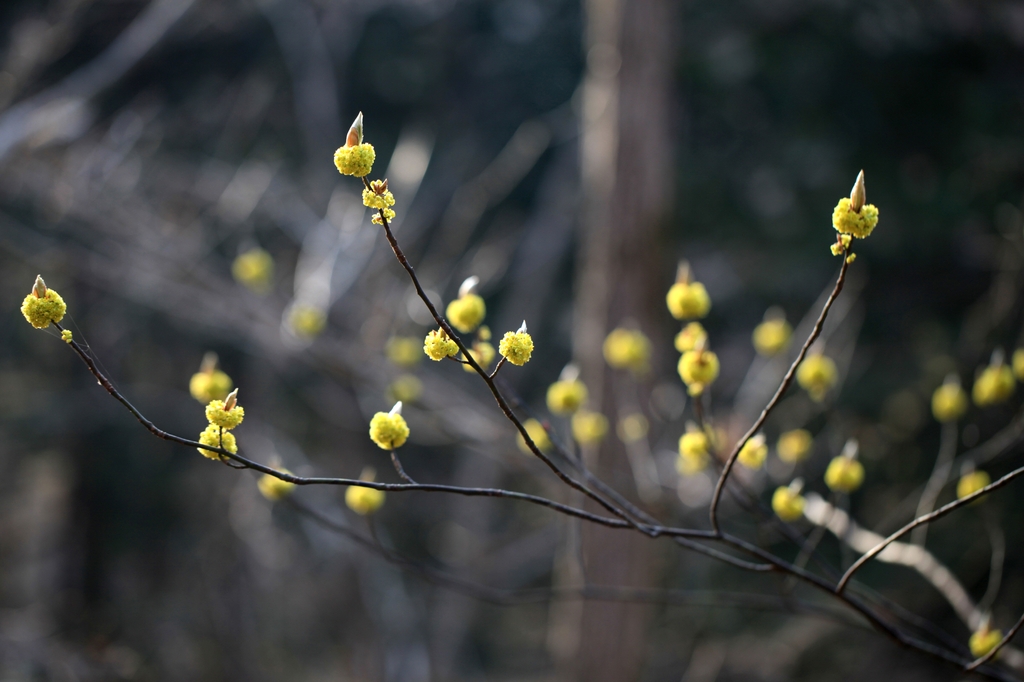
(403, 351)
(794, 446)
(690, 336)
(816, 375)
(565, 397)
(971, 483)
(627, 349)
(438, 346)
(356, 160)
(688, 300)
(772, 336)
(212, 436)
(788, 504)
(40, 311)
(949, 402)
(66, 336)
(273, 488)
(753, 453)
(693, 452)
(307, 321)
(465, 313)
(984, 641)
(994, 385)
(405, 388)
(589, 428)
(483, 353)
(538, 434)
(698, 369)
(516, 347)
(254, 269)
(1018, 364)
(228, 419)
(388, 430)
(859, 224)
(362, 500)
(844, 474)
(389, 215)
(207, 385)
(378, 201)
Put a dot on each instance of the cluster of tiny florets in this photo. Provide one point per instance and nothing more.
(209, 383)
(356, 160)
(949, 402)
(43, 306)
(816, 375)
(698, 368)
(438, 345)
(483, 353)
(225, 418)
(772, 336)
(214, 436)
(388, 430)
(466, 312)
(844, 474)
(538, 434)
(589, 428)
(254, 269)
(516, 347)
(859, 224)
(627, 349)
(794, 446)
(753, 453)
(565, 397)
(690, 336)
(274, 488)
(995, 384)
(362, 500)
(694, 451)
(688, 300)
(787, 503)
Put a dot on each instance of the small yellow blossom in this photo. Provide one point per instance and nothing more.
(209, 383)
(517, 346)
(688, 300)
(438, 346)
(43, 305)
(971, 482)
(994, 385)
(465, 313)
(698, 369)
(589, 428)
(362, 500)
(859, 224)
(794, 446)
(483, 353)
(403, 351)
(949, 402)
(538, 434)
(356, 161)
(307, 321)
(254, 269)
(844, 474)
(692, 334)
(627, 349)
(566, 396)
(984, 641)
(1018, 364)
(213, 436)
(273, 488)
(66, 336)
(405, 388)
(225, 418)
(694, 455)
(378, 195)
(772, 336)
(632, 428)
(753, 453)
(389, 215)
(788, 503)
(388, 429)
(816, 375)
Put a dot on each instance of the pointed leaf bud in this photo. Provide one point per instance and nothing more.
(231, 401)
(850, 449)
(683, 272)
(796, 486)
(397, 409)
(209, 363)
(39, 288)
(570, 372)
(355, 133)
(522, 328)
(858, 195)
(469, 286)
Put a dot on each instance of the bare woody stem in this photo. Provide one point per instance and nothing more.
(920, 521)
(398, 467)
(787, 380)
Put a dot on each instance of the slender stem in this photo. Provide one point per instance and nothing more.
(500, 364)
(995, 650)
(786, 381)
(398, 467)
(938, 478)
(920, 521)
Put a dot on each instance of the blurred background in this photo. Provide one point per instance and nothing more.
(568, 154)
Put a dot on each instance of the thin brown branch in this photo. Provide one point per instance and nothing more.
(995, 650)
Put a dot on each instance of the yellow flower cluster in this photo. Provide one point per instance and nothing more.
(483, 353)
(772, 336)
(787, 502)
(517, 346)
(67, 336)
(794, 446)
(694, 451)
(698, 368)
(984, 641)
(307, 321)
(362, 500)
(856, 223)
(816, 375)
(627, 349)
(465, 313)
(753, 453)
(589, 428)
(223, 416)
(209, 383)
(213, 436)
(566, 396)
(254, 269)
(994, 385)
(690, 336)
(356, 160)
(538, 434)
(43, 306)
(438, 346)
(378, 196)
(389, 215)
(273, 488)
(403, 351)
(949, 402)
(688, 300)
(844, 474)
(218, 413)
(405, 388)
(388, 429)
(971, 482)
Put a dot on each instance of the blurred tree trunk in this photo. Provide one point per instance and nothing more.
(626, 156)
